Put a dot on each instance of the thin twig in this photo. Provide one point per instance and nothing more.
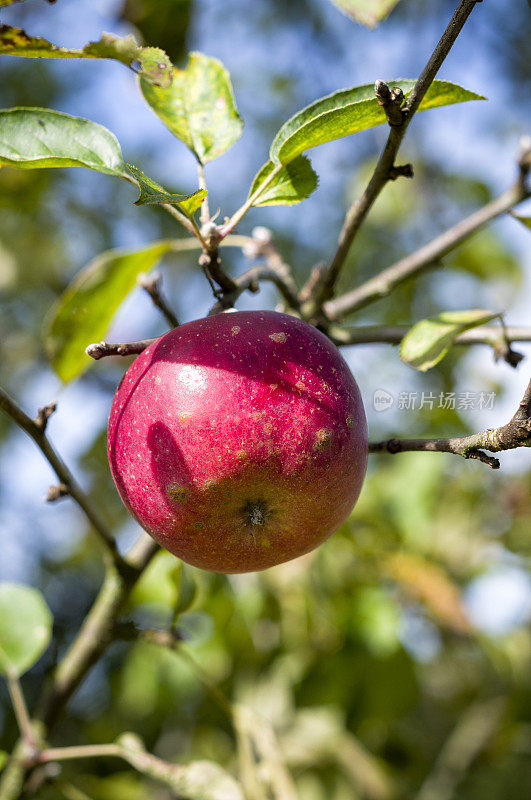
(21, 710)
(131, 749)
(93, 638)
(262, 246)
(173, 641)
(250, 281)
(311, 287)
(94, 635)
(382, 284)
(391, 101)
(237, 216)
(101, 349)
(205, 211)
(516, 433)
(43, 415)
(36, 431)
(210, 261)
(359, 210)
(152, 285)
(79, 751)
(182, 218)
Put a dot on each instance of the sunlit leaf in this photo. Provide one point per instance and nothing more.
(152, 62)
(350, 111)
(25, 627)
(427, 342)
(153, 194)
(31, 138)
(198, 107)
(84, 312)
(293, 183)
(368, 12)
(155, 66)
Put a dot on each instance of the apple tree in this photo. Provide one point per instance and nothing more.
(294, 682)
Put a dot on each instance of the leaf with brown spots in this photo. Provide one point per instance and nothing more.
(152, 63)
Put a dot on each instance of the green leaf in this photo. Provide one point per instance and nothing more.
(524, 220)
(85, 310)
(292, 183)
(31, 138)
(152, 63)
(153, 194)
(430, 339)
(3, 755)
(155, 66)
(368, 12)
(350, 111)
(25, 628)
(198, 107)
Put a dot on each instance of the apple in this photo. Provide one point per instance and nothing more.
(239, 441)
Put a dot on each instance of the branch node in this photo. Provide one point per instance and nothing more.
(101, 349)
(401, 171)
(56, 492)
(43, 415)
(505, 352)
(391, 101)
(96, 350)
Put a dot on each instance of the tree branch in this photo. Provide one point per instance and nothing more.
(172, 640)
(249, 281)
(205, 211)
(90, 643)
(516, 433)
(180, 217)
(382, 284)
(96, 631)
(36, 430)
(359, 210)
(497, 337)
(231, 224)
(152, 285)
(20, 709)
(101, 349)
(261, 245)
(391, 101)
(210, 261)
(131, 749)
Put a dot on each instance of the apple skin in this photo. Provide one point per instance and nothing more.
(239, 441)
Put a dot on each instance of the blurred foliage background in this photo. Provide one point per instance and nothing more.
(395, 661)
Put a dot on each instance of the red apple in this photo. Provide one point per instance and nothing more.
(239, 441)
